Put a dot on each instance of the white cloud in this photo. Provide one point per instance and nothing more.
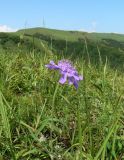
(5, 28)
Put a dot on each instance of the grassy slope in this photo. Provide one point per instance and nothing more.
(72, 35)
(43, 120)
(111, 45)
(69, 36)
(68, 42)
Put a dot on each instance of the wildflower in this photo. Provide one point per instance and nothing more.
(67, 71)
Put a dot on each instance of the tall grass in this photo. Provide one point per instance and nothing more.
(41, 119)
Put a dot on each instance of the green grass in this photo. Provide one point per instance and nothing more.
(72, 35)
(43, 120)
(70, 43)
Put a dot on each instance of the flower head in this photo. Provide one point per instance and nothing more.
(67, 71)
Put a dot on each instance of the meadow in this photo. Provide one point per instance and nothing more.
(41, 119)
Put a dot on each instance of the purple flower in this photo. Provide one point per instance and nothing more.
(67, 71)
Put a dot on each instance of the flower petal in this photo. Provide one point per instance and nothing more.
(70, 80)
(52, 65)
(75, 84)
(63, 79)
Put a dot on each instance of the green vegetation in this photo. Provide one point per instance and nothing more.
(44, 120)
(74, 43)
(71, 35)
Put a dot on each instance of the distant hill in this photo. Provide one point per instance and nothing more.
(74, 43)
(72, 35)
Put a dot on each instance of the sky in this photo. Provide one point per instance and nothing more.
(81, 15)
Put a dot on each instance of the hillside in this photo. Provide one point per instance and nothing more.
(71, 35)
(61, 99)
(70, 43)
